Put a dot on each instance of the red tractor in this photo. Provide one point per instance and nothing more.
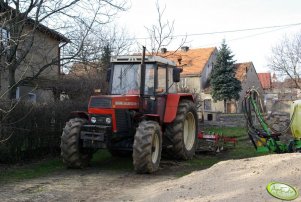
(142, 115)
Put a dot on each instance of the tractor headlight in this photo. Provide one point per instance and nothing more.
(108, 120)
(93, 119)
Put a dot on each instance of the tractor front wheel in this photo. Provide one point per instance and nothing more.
(183, 131)
(147, 147)
(74, 156)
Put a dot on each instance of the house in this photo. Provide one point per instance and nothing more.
(197, 65)
(265, 80)
(44, 52)
(281, 94)
(247, 75)
(268, 85)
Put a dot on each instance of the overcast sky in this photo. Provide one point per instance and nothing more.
(207, 16)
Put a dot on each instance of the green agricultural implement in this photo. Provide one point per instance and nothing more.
(264, 137)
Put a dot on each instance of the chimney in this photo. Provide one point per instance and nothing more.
(185, 48)
(179, 60)
(163, 50)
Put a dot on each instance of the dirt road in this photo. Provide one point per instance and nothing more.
(90, 184)
(232, 180)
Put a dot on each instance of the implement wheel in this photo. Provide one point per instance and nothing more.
(147, 147)
(183, 131)
(74, 156)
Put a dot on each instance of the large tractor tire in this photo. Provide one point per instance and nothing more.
(182, 132)
(147, 147)
(74, 156)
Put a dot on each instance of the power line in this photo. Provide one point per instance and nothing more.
(223, 32)
(248, 36)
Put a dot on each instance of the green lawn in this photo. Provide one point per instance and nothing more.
(30, 171)
(102, 160)
(243, 149)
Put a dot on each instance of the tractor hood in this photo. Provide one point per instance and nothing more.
(114, 102)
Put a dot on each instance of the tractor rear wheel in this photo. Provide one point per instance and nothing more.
(74, 156)
(147, 147)
(183, 131)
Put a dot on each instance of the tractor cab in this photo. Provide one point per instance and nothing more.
(126, 78)
(154, 79)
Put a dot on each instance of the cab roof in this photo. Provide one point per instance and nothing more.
(137, 59)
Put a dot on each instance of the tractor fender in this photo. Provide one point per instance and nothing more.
(172, 103)
(79, 114)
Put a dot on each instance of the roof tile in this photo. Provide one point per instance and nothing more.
(242, 69)
(265, 80)
(193, 60)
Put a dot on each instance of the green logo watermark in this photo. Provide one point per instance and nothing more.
(282, 191)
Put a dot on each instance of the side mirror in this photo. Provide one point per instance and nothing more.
(108, 75)
(176, 74)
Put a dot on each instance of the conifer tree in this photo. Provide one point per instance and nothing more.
(223, 82)
(105, 64)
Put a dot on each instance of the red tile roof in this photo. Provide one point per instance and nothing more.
(265, 80)
(242, 69)
(193, 60)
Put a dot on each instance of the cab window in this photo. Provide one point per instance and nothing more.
(161, 80)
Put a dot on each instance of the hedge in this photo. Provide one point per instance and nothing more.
(33, 130)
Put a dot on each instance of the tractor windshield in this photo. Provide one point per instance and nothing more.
(126, 79)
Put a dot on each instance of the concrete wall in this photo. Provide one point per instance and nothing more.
(207, 70)
(191, 83)
(251, 80)
(44, 50)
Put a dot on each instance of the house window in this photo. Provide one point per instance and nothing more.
(207, 105)
(4, 34)
(32, 97)
(18, 93)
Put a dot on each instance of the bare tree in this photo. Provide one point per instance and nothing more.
(22, 21)
(286, 58)
(27, 55)
(161, 33)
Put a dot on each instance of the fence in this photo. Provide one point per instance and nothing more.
(33, 131)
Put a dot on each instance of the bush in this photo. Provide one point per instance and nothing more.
(33, 130)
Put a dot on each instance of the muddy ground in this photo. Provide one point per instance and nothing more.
(232, 180)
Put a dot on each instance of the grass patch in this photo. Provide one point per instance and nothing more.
(243, 149)
(31, 171)
(102, 160)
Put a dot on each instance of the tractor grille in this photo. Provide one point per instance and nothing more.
(122, 121)
(100, 102)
